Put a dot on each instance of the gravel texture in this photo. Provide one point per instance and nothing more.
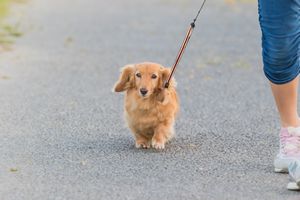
(62, 130)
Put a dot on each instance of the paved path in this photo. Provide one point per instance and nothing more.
(62, 132)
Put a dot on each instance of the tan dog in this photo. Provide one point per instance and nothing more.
(150, 109)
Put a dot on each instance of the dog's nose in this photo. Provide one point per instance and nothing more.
(143, 91)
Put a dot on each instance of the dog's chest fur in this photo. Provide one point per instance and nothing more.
(143, 114)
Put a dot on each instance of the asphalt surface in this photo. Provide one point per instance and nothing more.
(62, 130)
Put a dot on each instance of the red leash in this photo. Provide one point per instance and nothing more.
(183, 46)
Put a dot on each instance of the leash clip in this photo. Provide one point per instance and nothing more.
(166, 85)
(193, 24)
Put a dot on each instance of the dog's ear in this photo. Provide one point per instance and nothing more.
(125, 80)
(165, 72)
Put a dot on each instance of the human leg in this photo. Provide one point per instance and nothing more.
(286, 96)
(280, 25)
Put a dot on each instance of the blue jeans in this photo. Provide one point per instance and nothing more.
(280, 25)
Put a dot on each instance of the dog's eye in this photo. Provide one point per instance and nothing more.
(138, 75)
(153, 76)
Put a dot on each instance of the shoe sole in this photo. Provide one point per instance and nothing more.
(293, 186)
(281, 164)
(281, 170)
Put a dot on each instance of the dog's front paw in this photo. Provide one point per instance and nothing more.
(142, 145)
(157, 144)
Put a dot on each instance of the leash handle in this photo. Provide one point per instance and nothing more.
(181, 50)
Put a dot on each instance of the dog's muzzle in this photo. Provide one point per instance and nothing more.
(143, 91)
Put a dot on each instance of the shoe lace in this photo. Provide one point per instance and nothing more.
(290, 142)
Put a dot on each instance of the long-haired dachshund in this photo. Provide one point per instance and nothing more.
(150, 109)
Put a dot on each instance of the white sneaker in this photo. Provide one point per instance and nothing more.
(289, 148)
(294, 172)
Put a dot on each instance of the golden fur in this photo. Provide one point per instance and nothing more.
(150, 117)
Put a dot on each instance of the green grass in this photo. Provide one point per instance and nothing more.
(4, 4)
(8, 32)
